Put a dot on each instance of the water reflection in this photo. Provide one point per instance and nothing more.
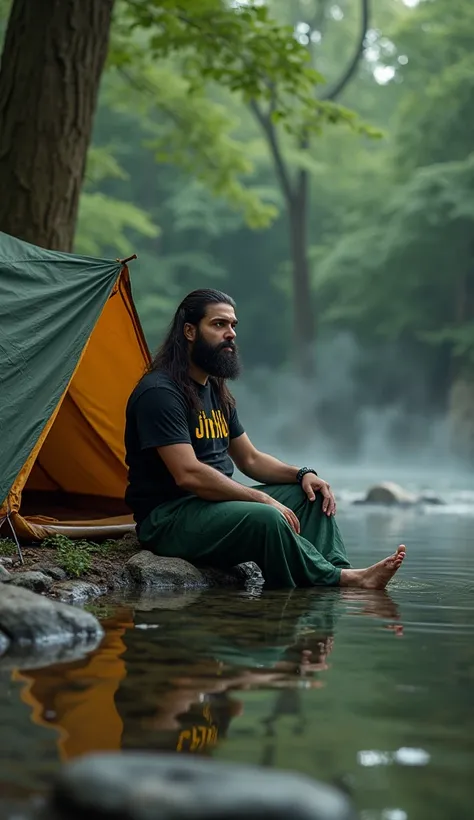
(339, 685)
(169, 671)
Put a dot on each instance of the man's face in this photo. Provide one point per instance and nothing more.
(213, 347)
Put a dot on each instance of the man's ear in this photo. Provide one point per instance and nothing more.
(189, 332)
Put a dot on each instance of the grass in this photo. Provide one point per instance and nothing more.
(7, 547)
(76, 557)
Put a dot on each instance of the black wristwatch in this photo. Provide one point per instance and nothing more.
(304, 471)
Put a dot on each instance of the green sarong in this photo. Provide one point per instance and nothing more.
(225, 533)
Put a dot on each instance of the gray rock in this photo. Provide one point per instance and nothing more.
(4, 574)
(240, 575)
(4, 641)
(27, 618)
(74, 592)
(130, 541)
(38, 656)
(54, 572)
(148, 571)
(6, 562)
(35, 581)
(389, 493)
(431, 498)
(141, 786)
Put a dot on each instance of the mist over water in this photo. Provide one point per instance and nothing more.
(350, 431)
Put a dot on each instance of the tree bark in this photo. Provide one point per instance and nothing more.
(52, 62)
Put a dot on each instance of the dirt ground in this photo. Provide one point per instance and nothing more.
(104, 567)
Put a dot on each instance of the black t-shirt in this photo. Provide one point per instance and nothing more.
(157, 415)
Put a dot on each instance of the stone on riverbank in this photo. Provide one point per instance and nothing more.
(148, 571)
(4, 574)
(56, 573)
(141, 786)
(76, 592)
(32, 580)
(391, 494)
(30, 619)
(4, 644)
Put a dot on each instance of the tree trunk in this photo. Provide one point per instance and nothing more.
(461, 393)
(303, 314)
(52, 62)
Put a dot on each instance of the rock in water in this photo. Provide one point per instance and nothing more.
(27, 618)
(75, 592)
(239, 576)
(431, 498)
(389, 493)
(149, 571)
(141, 786)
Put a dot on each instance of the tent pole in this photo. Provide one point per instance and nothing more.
(20, 554)
(128, 259)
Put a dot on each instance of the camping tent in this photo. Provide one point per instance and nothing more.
(71, 351)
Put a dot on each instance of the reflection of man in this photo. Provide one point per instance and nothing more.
(187, 720)
(180, 689)
(191, 674)
(190, 677)
(183, 437)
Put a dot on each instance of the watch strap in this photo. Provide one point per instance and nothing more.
(304, 471)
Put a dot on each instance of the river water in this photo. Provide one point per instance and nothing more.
(373, 692)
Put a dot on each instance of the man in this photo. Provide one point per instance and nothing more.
(183, 437)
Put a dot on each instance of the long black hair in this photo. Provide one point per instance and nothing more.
(173, 354)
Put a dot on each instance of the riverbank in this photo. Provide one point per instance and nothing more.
(62, 560)
(78, 571)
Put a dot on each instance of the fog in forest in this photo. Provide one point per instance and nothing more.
(319, 420)
(347, 242)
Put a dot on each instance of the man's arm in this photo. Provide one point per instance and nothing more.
(258, 466)
(208, 483)
(269, 470)
(192, 475)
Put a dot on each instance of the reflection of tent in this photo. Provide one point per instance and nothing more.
(76, 700)
(71, 351)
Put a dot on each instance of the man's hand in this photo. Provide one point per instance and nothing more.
(312, 484)
(287, 513)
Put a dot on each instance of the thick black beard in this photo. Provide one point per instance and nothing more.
(214, 360)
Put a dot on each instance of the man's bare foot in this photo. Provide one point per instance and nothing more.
(376, 576)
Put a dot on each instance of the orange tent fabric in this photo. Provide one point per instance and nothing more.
(75, 478)
(81, 694)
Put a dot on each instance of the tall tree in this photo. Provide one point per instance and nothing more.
(51, 68)
(295, 185)
(52, 62)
